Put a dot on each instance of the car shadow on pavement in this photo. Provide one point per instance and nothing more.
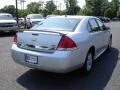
(7, 34)
(96, 80)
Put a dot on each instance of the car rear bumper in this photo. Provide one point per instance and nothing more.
(59, 61)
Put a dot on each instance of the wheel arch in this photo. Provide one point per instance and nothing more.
(92, 49)
(111, 36)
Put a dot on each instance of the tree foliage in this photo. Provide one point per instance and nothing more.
(86, 12)
(45, 12)
(72, 7)
(23, 13)
(34, 7)
(63, 12)
(118, 13)
(115, 5)
(92, 8)
(9, 9)
(109, 13)
(97, 6)
(56, 12)
(50, 6)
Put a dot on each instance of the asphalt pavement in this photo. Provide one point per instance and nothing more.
(104, 76)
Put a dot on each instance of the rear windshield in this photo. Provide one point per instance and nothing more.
(6, 17)
(57, 24)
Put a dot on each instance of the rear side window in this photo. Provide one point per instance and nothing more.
(101, 25)
(94, 26)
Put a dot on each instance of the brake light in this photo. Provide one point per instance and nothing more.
(66, 43)
(15, 39)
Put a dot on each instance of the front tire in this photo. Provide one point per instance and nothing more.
(88, 63)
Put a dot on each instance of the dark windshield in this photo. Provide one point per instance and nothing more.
(57, 24)
(6, 17)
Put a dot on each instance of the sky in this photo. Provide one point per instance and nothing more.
(12, 2)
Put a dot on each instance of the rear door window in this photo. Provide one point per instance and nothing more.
(93, 25)
(101, 25)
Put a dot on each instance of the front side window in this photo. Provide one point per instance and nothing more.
(94, 26)
(57, 24)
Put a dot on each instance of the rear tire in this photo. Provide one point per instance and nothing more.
(88, 63)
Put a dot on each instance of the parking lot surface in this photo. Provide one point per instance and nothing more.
(104, 76)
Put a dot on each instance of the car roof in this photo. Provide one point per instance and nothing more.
(34, 14)
(75, 17)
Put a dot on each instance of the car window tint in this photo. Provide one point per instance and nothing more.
(101, 25)
(93, 24)
(57, 24)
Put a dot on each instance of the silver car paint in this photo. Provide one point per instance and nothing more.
(65, 61)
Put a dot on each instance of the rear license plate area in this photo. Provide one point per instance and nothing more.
(31, 59)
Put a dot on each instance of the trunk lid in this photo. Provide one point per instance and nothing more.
(42, 41)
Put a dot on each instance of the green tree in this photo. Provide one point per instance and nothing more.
(97, 6)
(23, 13)
(9, 9)
(105, 5)
(45, 12)
(72, 7)
(35, 7)
(63, 12)
(86, 12)
(50, 6)
(109, 13)
(118, 13)
(1, 10)
(56, 12)
(115, 4)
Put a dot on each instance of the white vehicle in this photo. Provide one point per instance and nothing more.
(49, 16)
(21, 22)
(33, 19)
(7, 22)
(62, 44)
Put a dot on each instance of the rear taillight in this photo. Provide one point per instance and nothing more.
(15, 39)
(66, 43)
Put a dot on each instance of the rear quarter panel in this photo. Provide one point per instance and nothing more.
(83, 45)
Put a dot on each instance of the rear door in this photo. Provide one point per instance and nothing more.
(105, 34)
(96, 35)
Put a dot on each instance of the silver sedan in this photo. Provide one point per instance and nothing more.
(62, 44)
